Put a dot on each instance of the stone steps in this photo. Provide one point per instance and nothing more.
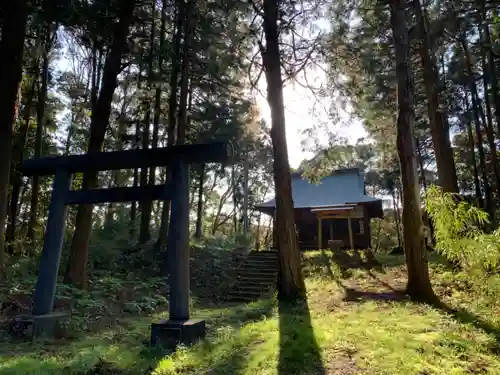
(256, 277)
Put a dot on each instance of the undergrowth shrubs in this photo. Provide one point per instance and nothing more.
(122, 282)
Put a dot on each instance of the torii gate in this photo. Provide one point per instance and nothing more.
(180, 328)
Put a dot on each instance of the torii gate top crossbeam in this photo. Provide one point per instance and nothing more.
(217, 152)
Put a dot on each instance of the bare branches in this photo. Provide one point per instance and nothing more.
(299, 46)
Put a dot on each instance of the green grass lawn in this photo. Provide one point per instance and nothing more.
(355, 322)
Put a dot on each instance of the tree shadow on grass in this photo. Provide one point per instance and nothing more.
(340, 263)
(353, 295)
(239, 314)
(467, 317)
(299, 349)
(356, 259)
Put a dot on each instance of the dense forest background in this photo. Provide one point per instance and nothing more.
(90, 76)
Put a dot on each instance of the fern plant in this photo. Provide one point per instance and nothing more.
(458, 231)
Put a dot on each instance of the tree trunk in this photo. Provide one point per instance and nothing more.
(17, 154)
(470, 136)
(488, 200)
(40, 125)
(116, 179)
(269, 233)
(135, 146)
(199, 212)
(234, 190)
(488, 124)
(290, 282)
(172, 111)
(439, 125)
(158, 92)
(135, 183)
(419, 286)
(94, 84)
(259, 218)
(77, 272)
(222, 201)
(144, 234)
(185, 70)
(396, 218)
(11, 45)
(257, 232)
(489, 204)
(424, 185)
(246, 223)
(492, 70)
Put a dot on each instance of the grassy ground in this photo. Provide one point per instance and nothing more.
(356, 321)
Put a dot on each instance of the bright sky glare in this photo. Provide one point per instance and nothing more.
(299, 104)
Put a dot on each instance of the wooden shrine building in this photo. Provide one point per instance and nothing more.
(334, 213)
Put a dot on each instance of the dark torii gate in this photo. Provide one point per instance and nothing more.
(179, 328)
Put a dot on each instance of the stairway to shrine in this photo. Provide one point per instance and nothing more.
(256, 277)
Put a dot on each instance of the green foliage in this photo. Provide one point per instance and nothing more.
(459, 231)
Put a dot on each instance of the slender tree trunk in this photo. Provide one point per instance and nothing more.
(157, 104)
(421, 164)
(396, 218)
(172, 111)
(11, 45)
(110, 209)
(234, 190)
(482, 159)
(269, 232)
(419, 286)
(77, 272)
(492, 69)
(291, 283)
(439, 125)
(257, 232)
(99, 72)
(67, 147)
(94, 83)
(428, 220)
(488, 124)
(146, 206)
(40, 119)
(470, 136)
(17, 154)
(144, 234)
(259, 219)
(135, 183)
(199, 212)
(222, 201)
(246, 223)
(185, 70)
(116, 175)
(489, 204)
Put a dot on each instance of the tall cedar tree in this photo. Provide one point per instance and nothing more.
(40, 123)
(17, 156)
(76, 273)
(157, 103)
(291, 283)
(439, 124)
(419, 286)
(146, 206)
(11, 45)
(172, 110)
